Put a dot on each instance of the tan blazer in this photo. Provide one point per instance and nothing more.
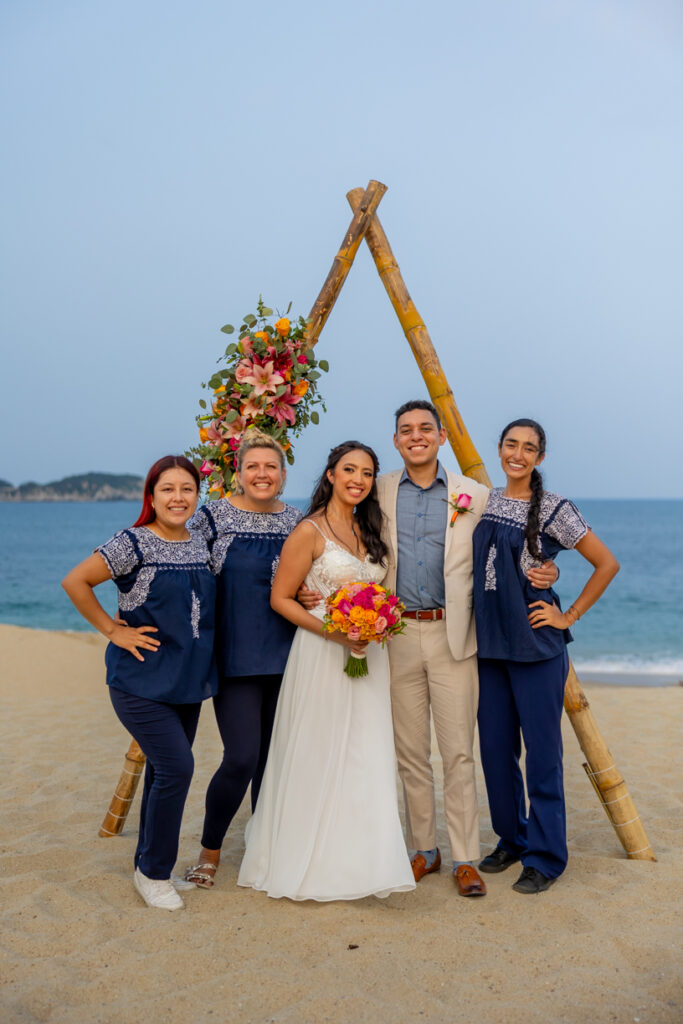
(457, 555)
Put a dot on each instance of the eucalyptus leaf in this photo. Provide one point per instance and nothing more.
(266, 311)
(250, 320)
(231, 349)
(314, 375)
(228, 329)
(231, 416)
(314, 417)
(215, 381)
(202, 403)
(324, 365)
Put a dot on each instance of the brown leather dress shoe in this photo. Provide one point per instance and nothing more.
(468, 881)
(419, 865)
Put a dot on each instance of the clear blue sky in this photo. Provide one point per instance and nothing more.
(165, 162)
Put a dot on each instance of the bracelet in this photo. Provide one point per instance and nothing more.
(573, 610)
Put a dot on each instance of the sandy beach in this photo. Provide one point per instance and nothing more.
(78, 944)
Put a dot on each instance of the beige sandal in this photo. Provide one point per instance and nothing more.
(198, 874)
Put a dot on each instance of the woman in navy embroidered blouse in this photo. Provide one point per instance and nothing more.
(245, 534)
(522, 635)
(160, 663)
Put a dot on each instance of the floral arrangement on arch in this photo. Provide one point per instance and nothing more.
(269, 381)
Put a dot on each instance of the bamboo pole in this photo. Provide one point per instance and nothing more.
(115, 817)
(422, 348)
(604, 774)
(601, 769)
(364, 212)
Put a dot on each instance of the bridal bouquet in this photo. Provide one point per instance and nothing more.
(364, 612)
(269, 381)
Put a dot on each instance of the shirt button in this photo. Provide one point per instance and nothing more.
(419, 563)
(419, 515)
(421, 588)
(419, 538)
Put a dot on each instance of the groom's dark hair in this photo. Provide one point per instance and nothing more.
(418, 403)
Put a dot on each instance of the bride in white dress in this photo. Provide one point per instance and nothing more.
(326, 825)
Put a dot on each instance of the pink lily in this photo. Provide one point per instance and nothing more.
(236, 428)
(282, 409)
(213, 434)
(264, 379)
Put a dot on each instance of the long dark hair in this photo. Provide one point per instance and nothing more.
(533, 519)
(368, 512)
(147, 513)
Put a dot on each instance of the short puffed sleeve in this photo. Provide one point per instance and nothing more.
(202, 522)
(121, 554)
(566, 525)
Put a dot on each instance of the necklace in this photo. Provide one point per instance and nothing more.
(340, 541)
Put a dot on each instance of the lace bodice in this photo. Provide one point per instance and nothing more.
(337, 566)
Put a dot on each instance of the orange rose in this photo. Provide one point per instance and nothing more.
(300, 388)
(262, 335)
(357, 615)
(203, 435)
(282, 327)
(219, 390)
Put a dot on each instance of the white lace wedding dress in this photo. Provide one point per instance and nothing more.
(326, 826)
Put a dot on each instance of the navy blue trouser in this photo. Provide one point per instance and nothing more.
(525, 697)
(165, 733)
(245, 711)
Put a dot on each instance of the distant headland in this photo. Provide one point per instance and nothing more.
(86, 487)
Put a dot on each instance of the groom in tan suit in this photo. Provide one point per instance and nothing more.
(433, 664)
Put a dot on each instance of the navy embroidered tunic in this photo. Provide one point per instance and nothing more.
(251, 639)
(167, 584)
(502, 592)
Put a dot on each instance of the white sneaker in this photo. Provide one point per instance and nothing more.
(182, 884)
(157, 892)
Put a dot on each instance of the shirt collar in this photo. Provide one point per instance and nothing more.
(439, 478)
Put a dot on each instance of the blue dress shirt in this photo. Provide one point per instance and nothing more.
(421, 520)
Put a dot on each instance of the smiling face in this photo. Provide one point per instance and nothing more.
(418, 438)
(352, 478)
(174, 498)
(262, 475)
(520, 452)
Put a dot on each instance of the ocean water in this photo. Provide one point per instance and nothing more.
(634, 634)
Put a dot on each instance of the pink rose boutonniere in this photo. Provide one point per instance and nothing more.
(459, 503)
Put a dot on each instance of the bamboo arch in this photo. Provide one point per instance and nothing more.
(600, 767)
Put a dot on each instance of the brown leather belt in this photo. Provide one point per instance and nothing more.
(426, 614)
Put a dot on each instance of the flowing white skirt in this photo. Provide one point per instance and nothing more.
(326, 826)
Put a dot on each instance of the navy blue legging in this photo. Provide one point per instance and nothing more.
(525, 697)
(245, 710)
(165, 733)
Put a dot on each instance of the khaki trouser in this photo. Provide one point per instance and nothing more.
(423, 674)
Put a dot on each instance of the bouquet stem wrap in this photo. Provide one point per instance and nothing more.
(356, 667)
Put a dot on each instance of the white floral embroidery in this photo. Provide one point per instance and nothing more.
(527, 560)
(194, 615)
(276, 562)
(224, 522)
(490, 582)
(559, 518)
(137, 595)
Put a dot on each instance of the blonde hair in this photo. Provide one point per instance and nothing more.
(255, 438)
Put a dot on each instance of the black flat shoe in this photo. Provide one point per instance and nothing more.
(499, 860)
(531, 880)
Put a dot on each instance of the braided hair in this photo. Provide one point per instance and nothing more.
(536, 483)
(368, 512)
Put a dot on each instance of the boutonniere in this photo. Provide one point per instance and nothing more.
(459, 503)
